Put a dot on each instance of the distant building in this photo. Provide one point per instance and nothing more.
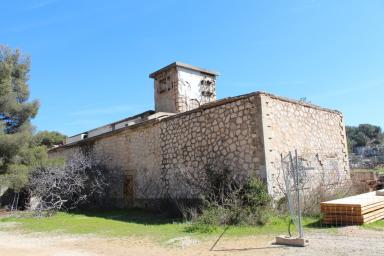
(190, 130)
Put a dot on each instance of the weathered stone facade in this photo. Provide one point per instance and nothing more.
(247, 134)
(181, 87)
(316, 133)
(227, 135)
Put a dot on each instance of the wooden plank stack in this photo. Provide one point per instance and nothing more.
(354, 210)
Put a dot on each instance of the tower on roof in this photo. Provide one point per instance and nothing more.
(181, 87)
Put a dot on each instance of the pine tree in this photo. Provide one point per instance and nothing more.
(17, 152)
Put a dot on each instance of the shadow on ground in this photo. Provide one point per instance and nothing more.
(319, 224)
(138, 216)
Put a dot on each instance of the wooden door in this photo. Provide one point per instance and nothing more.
(128, 190)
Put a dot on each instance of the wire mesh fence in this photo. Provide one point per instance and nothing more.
(322, 198)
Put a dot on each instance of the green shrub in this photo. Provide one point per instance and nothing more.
(247, 204)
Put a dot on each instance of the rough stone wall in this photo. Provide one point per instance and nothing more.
(227, 136)
(224, 135)
(317, 134)
(180, 89)
(165, 88)
(134, 152)
(131, 152)
(62, 152)
(246, 134)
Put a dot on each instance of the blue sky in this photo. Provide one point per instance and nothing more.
(91, 59)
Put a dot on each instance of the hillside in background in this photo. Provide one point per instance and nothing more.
(366, 146)
(364, 135)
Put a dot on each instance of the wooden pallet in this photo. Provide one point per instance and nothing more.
(365, 218)
(352, 210)
(359, 209)
(336, 221)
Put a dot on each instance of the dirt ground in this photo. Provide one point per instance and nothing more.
(349, 241)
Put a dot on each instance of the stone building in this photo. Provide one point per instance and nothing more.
(190, 130)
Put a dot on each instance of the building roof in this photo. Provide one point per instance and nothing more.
(187, 66)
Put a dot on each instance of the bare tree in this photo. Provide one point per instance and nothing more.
(79, 181)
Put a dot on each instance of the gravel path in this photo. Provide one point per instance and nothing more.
(349, 241)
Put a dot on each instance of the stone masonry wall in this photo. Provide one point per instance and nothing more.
(247, 134)
(179, 90)
(317, 134)
(227, 134)
(131, 152)
(134, 152)
(166, 91)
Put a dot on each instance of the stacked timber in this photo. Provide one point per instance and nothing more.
(354, 210)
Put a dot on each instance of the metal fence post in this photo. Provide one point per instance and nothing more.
(298, 195)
